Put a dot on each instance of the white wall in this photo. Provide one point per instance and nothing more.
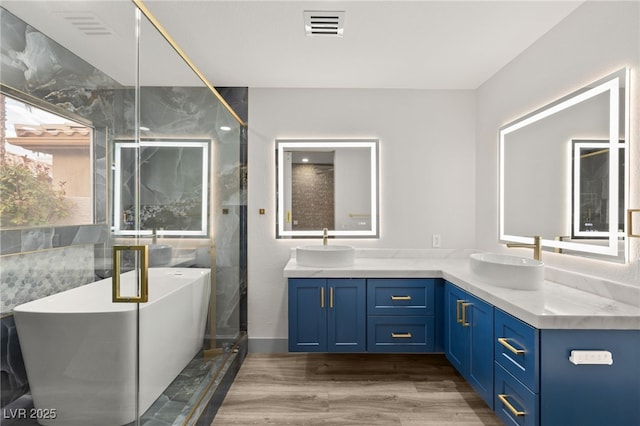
(595, 40)
(427, 172)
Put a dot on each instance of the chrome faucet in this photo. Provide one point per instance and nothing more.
(536, 246)
(325, 236)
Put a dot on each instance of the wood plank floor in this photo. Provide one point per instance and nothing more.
(351, 389)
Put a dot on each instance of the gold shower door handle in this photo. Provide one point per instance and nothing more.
(143, 284)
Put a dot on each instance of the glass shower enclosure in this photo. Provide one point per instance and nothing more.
(123, 219)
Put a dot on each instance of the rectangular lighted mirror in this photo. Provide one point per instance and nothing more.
(173, 198)
(538, 184)
(329, 184)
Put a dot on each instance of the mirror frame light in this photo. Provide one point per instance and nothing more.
(611, 84)
(286, 144)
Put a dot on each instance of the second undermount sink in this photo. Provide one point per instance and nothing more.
(502, 270)
(329, 256)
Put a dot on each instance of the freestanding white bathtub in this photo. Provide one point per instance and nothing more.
(79, 347)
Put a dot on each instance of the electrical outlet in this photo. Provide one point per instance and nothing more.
(435, 240)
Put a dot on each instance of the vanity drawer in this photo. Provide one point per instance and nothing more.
(517, 349)
(400, 334)
(514, 403)
(400, 297)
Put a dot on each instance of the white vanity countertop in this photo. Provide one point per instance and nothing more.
(556, 306)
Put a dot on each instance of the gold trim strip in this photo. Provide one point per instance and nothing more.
(147, 13)
(503, 342)
(630, 223)
(511, 408)
(144, 275)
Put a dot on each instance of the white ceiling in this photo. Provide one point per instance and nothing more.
(386, 44)
(419, 44)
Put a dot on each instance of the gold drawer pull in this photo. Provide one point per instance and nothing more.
(400, 297)
(322, 297)
(511, 408)
(401, 335)
(463, 320)
(503, 342)
(458, 317)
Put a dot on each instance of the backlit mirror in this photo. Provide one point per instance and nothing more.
(563, 172)
(171, 204)
(329, 184)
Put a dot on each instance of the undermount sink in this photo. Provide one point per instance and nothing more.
(329, 256)
(502, 270)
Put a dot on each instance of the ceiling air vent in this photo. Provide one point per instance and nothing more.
(87, 23)
(323, 23)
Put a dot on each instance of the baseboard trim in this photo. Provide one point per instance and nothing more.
(268, 345)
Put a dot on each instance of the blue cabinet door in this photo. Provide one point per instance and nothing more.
(307, 315)
(479, 315)
(327, 315)
(468, 339)
(346, 315)
(456, 337)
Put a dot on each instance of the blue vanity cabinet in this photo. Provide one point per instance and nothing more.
(468, 331)
(327, 315)
(536, 382)
(401, 315)
(590, 394)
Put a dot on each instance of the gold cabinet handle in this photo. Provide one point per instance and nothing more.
(331, 297)
(322, 297)
(511, 408)
(400, 297)
(464, 314)
(401, 335)
(503, 341)
(458, 316)
(143, 295)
